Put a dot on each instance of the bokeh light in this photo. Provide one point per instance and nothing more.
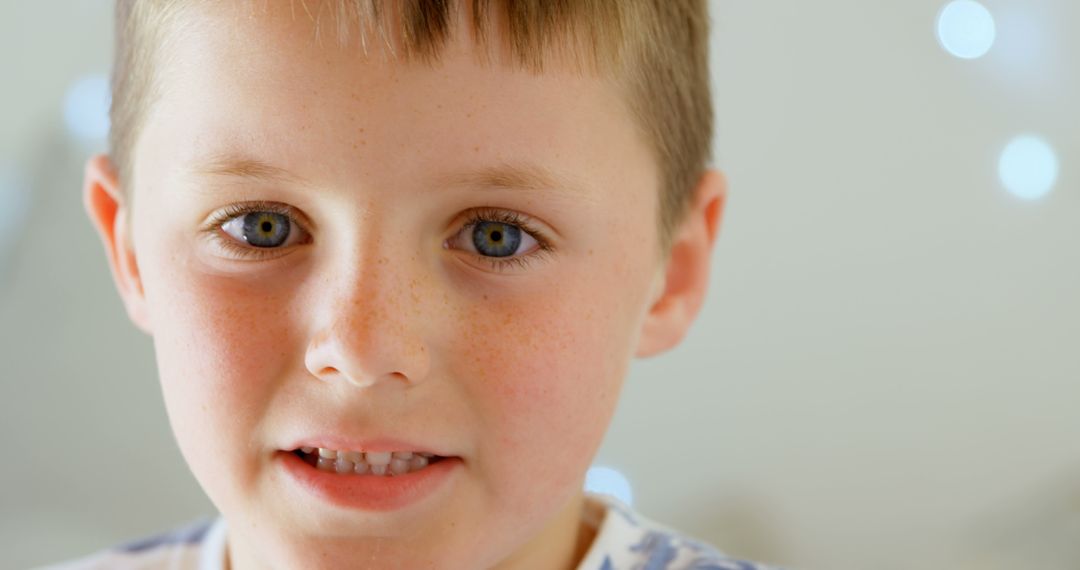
(608, 481)
(1028, 167)
(86, 108)
(966, 29)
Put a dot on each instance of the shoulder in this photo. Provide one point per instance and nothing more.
(194, 545)
(628, 540)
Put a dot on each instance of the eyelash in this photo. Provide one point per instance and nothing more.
(510, 218)
(477, 216)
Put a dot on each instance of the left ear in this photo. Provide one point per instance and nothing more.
(681, 286)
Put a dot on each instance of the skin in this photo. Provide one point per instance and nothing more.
(380, 321)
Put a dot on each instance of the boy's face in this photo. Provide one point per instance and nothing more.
(376, 317)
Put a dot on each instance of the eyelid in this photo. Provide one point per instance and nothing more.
(214, 220)
(508, 217)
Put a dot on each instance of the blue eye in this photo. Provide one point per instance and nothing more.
(259, 229)
(505, 239)
(495, 239)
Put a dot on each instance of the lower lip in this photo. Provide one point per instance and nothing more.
(369, 492)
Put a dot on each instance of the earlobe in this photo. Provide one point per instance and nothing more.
(105, 205)
(685, 279)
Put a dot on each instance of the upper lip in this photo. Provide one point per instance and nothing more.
(374, 443)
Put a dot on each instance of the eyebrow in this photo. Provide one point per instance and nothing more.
(240, 166)
(527, 176)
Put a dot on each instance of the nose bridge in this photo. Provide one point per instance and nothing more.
(370, 303)
(373, 328)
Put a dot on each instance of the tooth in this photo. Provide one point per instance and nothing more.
(325, 464)
(306, 449)
(418, 462)
(353, 456)
(361, 467)
(403, 454)
(378, 469)
(343, 466)
(378, 457)
(327, 453)
(425, 454)
(399, 466)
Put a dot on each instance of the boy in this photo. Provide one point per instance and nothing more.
(395, 258)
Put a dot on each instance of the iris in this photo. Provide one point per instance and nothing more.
(495, 239)
(266, 229)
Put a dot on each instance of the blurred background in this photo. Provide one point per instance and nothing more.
(886, 373)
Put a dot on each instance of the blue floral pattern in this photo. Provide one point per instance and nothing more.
(629, 541)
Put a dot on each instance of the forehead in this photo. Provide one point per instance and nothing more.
(271, 80)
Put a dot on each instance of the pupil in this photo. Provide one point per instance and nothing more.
(267, 226)
(496, 235)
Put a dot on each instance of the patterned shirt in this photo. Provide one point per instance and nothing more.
(625, 540)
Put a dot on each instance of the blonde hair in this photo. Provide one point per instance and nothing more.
(656, 50)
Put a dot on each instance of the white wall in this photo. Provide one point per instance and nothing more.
(885, 374)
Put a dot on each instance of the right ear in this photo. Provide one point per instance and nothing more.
(105, 204)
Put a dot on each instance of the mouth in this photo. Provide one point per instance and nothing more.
(376, 480)
(372, 463)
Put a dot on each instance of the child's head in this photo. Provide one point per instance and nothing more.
(414, 226)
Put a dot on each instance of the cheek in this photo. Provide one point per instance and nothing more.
(547, 367)
(547, 372)
(220, 349)
(227, 337)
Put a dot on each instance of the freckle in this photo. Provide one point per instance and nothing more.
(476, 149)
(590, 252)
(485, 297)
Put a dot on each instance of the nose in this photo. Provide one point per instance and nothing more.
(370, 331)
